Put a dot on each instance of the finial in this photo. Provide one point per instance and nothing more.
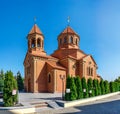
(34, 20)
(68, 20)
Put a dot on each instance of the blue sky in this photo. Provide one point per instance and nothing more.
(96, 21)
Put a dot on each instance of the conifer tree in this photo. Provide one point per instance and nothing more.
(19, 81)
(73, 92)
(99, 88)
(112, 87)
(106, 85)
(90, 87)
(67, 95)
(1, 80)
(102, 87)
(9, 85)
(95, 86)
(84, 88)
(79, 87)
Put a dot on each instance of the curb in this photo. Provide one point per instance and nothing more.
(66, 104)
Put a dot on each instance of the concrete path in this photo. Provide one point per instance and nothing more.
(110, 105)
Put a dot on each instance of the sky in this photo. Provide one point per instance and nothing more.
(96, 21)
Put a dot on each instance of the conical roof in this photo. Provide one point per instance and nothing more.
(35, 29)
(68, 30)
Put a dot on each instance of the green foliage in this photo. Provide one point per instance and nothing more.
(1, 80)
(1, 84)
(118, 83)
(67, 95)
(102, 87)
(84, 87)
(78, 87)
(73, 92)
(95, 86)
(106, 85)
(9, 85)
(19, 81)
(99, 88)
(112, 87)
(90, 87)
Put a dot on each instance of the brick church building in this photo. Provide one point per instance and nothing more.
(47, 73)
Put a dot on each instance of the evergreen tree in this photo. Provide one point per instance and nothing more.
(84, 88)
(102, 87)
(90, 87)
(95, 86)
(19, 81)
(99, 88)
(73, 92)
(9, 86)
(67, 95)
(78, 87)
(1, 80)
(106, 85)
(112, 87)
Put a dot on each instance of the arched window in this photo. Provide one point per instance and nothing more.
(91, 71)
(76, 42)
(60, 41)
(33, 43)
(65, 40)
(71, 39)
(49, 78)
(87, 70)
(38, 43)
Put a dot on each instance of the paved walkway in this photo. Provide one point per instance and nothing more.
(28, 98)
(109, 105)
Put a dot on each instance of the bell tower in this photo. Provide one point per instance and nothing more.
(68, 39)
(36, 41)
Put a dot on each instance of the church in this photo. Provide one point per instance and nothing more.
(48, 73)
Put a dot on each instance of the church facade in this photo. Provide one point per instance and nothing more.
(47, 73)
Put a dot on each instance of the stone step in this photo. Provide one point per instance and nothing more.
(54, 105)
(39, 104)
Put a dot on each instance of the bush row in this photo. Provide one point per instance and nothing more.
(77, 88)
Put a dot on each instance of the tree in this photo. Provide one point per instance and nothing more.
(67, 95)
(1, 80)
(95, 86)
(102, 87)
(73, 92)
(9, 85)
(112, 87)
(99, 88)
(78, 87)
(118, 83)
(106, 85)
(84, 87)
(19, 81)
(90, 87)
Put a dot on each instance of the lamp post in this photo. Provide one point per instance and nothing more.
(62, 77)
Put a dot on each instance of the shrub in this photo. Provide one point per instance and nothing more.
(90, 87)
(99, 88)
(84, 87)
(102, 87)
(9, 86)
(106, 85)
(78, 87)
(73, 92)
(67, 95)
(95, 86)
(112, 87)
(19, 81)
